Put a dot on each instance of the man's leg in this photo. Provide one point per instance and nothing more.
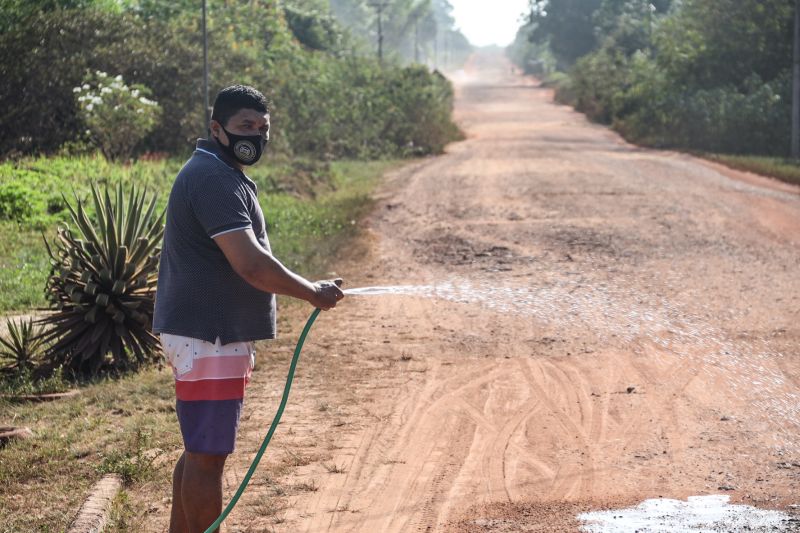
(177, 519)
(201, 489)
(209, 398)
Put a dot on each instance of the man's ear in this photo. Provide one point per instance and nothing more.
(216, 130)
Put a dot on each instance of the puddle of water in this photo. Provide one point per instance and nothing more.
(620, 314)
(698, 514)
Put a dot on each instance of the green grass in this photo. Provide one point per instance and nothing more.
(309, 207)
(40, 183)
(23, 267)
(787, 170)
(303, 233)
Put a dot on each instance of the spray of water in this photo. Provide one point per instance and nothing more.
(622, 314)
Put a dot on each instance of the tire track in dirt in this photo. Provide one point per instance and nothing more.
(404, 434)
(419, 469)
(573, 480)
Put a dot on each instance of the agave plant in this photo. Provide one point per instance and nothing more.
(23, 345)
(102, 284)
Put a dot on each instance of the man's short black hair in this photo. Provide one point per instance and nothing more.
(231, 100)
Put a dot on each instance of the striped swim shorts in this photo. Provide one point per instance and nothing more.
(210, 380)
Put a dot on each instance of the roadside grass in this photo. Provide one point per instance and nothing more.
(23, 267)
(121, 517)
(127, 425)
(783, 169)
(306, 234)
(116, 426)
(24, 382)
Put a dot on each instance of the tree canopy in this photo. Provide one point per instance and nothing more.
(329, 96)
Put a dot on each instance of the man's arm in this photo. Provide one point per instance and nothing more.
(266, 273)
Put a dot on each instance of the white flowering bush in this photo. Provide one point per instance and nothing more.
(118, 116)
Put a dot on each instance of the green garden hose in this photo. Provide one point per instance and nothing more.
(274, 425)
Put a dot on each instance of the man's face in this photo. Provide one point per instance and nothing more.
(244, 122)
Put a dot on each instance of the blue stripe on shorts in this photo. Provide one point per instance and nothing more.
(209, 426)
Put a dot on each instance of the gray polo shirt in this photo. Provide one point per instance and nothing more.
(199, 294)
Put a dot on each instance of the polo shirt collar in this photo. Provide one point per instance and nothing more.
(210, 146)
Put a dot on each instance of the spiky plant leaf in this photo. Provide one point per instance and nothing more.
(102, 283)
(22, 344)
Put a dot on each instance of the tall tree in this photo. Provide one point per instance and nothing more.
(568, 25)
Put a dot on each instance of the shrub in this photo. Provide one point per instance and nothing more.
(562, 86)
(357, 109)
(746, 119)
(134, 461)
(15, 202)
(118, 116)
(639, 98)
(421, 104)
(703, 75)
(102, 285)
(61, 45)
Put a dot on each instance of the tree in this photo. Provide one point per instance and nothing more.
(706, 44)
(568, 25)
(314, 29)
(413, 29)
(627, 25)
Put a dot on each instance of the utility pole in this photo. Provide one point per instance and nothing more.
(205, 73)
(796, 84)
(416, 42)
(436, 47)
(380, 6)
(446, 49)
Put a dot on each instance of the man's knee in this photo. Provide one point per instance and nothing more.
(205, 461)
(177, 472)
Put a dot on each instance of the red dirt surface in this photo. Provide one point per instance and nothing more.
(627, 328)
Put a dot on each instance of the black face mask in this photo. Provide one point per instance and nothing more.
(246, 149)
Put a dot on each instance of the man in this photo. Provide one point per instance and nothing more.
(215, 296)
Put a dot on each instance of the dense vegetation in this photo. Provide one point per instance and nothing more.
(708, 75)
(330, 97)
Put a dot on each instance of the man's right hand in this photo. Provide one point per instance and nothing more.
(326, 294)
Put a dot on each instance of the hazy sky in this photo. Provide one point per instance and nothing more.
(487, 22)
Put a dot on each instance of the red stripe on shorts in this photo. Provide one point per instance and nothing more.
(211, 389)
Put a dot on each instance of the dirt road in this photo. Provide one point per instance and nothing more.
(613, 324)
